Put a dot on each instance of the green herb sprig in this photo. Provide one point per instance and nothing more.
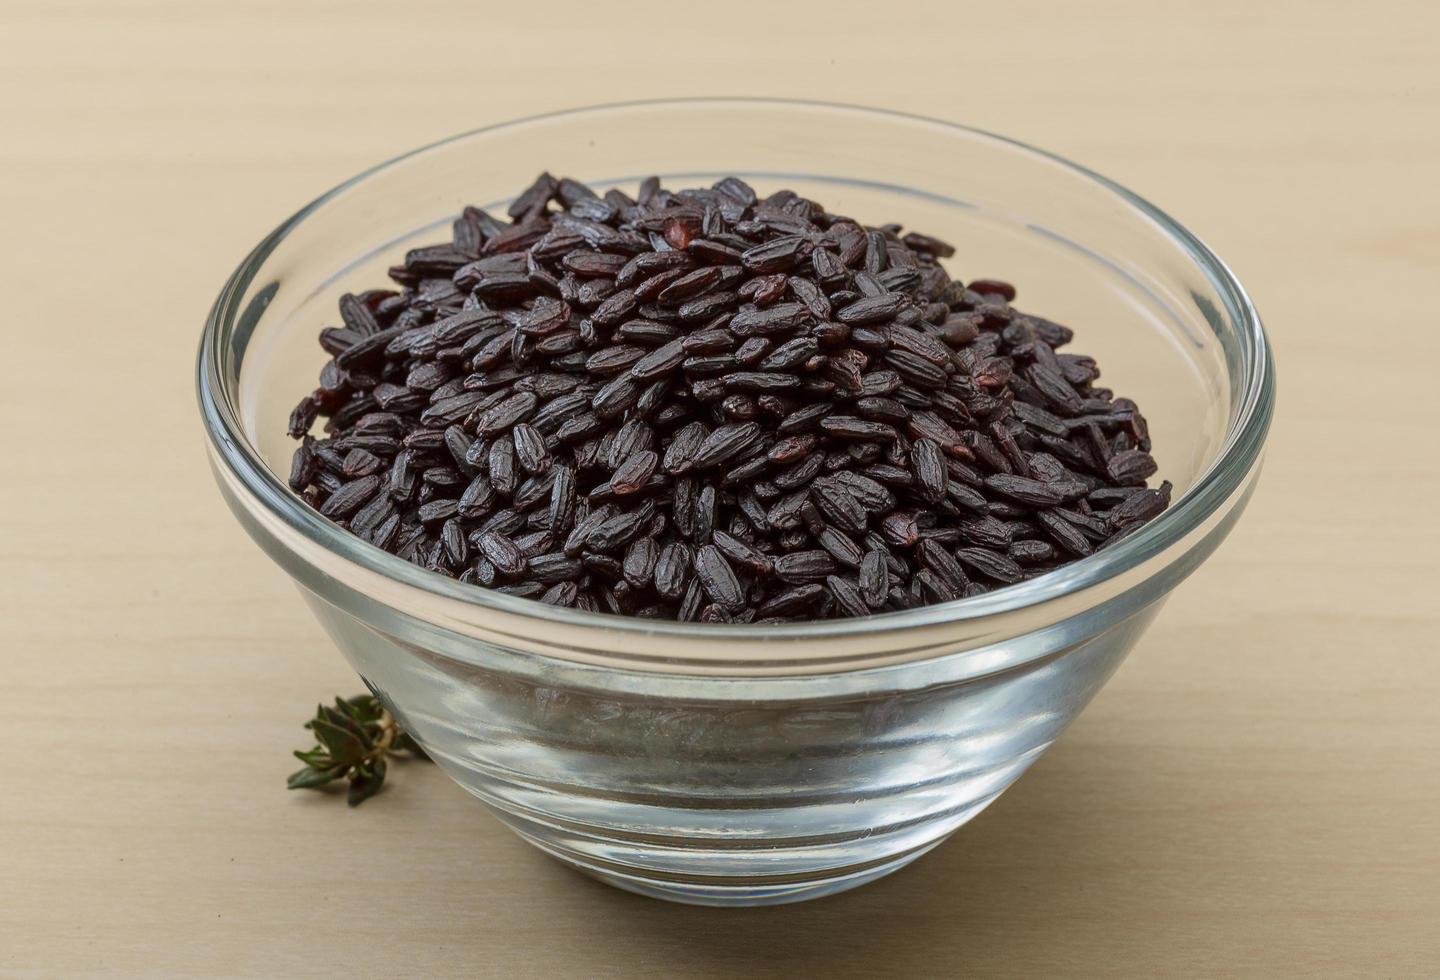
(355, 738)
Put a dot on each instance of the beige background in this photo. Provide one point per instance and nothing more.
(1257, 793)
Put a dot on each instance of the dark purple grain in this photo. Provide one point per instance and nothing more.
(708, 406)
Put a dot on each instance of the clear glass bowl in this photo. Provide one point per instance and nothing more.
(743, 765)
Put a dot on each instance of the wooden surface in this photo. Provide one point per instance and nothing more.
(1257, 792)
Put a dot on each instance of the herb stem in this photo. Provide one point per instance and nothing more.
(387, 735)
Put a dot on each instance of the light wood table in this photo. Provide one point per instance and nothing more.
(1257, 793)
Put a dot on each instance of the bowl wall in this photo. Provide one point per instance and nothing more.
(763, 792)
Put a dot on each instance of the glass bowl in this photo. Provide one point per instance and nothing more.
(746, 765)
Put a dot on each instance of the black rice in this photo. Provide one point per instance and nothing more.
(711, 406)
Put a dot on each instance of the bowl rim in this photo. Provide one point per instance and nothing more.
(1226, 472)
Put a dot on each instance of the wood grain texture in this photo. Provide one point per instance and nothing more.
(1255, 794)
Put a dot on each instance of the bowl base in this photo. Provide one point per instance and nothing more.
(741, 894)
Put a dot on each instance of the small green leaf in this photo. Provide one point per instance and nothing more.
(365, 708)
(316, 758)
(346, 748)
(319, 714)
(309, 778)
(340, 720)
(366, 782)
